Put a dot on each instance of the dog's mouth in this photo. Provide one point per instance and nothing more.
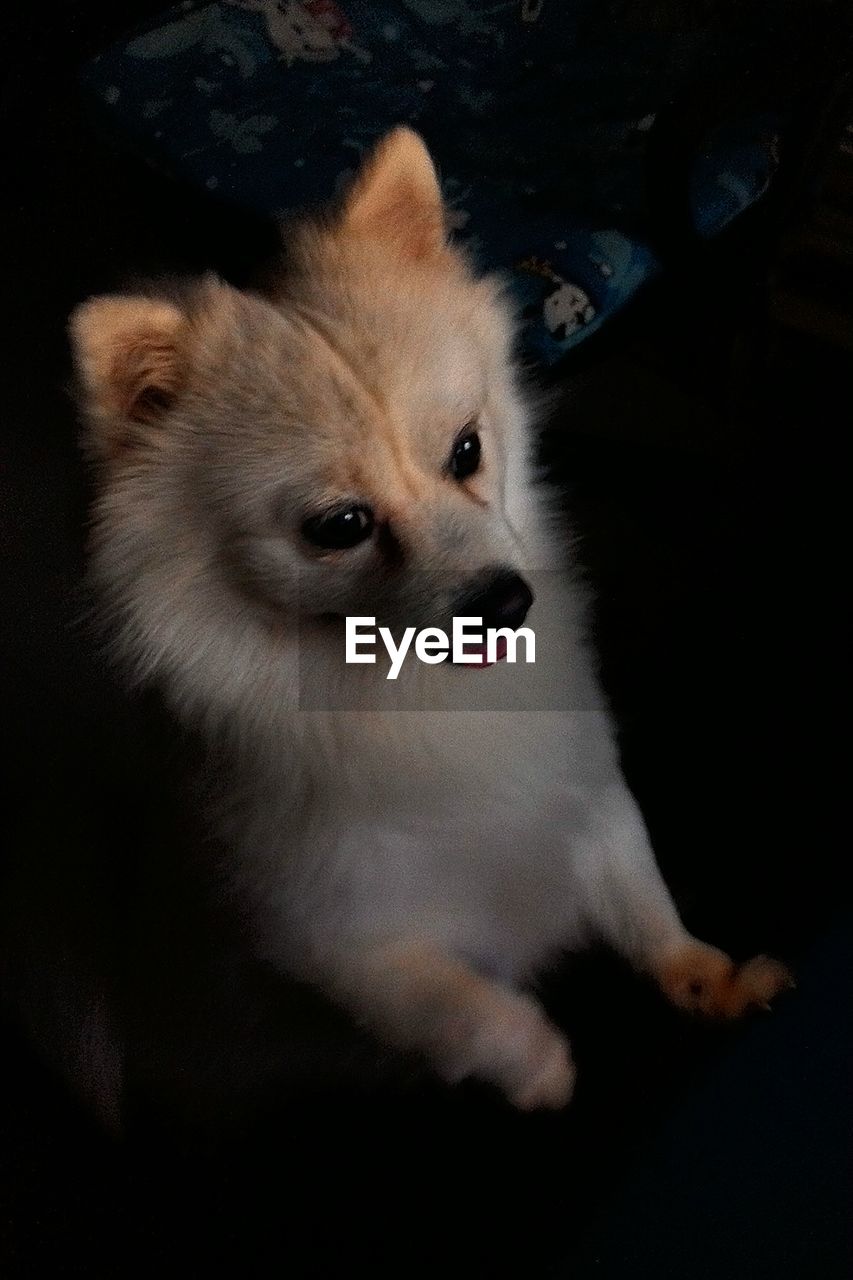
(477, 655)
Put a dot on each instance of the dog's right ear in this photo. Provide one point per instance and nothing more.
(130, 359)
(396, 197)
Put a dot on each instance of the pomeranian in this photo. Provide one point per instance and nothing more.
(354, 443)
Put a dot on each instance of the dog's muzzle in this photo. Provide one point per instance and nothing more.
(501, 598)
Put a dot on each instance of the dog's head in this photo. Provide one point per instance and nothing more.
(351, 443)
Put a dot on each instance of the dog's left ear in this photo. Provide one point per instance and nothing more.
(396, 197)
(129, 356)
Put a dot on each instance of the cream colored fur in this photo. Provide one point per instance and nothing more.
(421, 849)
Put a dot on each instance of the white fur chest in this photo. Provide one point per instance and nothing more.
(451, 826)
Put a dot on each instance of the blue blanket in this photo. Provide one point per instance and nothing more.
(537, 115)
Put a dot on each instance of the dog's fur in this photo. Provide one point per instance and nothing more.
(419, 850)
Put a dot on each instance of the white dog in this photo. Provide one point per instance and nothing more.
(355, 443)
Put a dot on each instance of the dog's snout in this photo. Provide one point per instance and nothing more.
(501, 599)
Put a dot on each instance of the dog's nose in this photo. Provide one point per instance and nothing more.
(501, 599)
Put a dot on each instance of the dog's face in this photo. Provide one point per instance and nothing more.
(350, 445)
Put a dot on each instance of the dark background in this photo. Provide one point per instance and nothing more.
(700, 443)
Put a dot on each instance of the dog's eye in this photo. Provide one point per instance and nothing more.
(338, 530)
(465, 458)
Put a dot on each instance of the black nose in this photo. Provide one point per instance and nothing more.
(501, 599)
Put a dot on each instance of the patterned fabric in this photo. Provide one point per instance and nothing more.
(270, 103)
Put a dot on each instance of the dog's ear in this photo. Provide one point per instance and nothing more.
(396, 197)
(130, 360)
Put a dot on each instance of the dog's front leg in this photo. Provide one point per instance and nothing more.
(420, 998)
(629, 905)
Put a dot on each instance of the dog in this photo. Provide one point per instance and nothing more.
(355, 441)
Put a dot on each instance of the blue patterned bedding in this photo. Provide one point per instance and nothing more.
(537, 116)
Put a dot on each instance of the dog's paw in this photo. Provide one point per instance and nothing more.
(510, 1043)
(518, 1049)
(705, 980)
(548, 1078)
